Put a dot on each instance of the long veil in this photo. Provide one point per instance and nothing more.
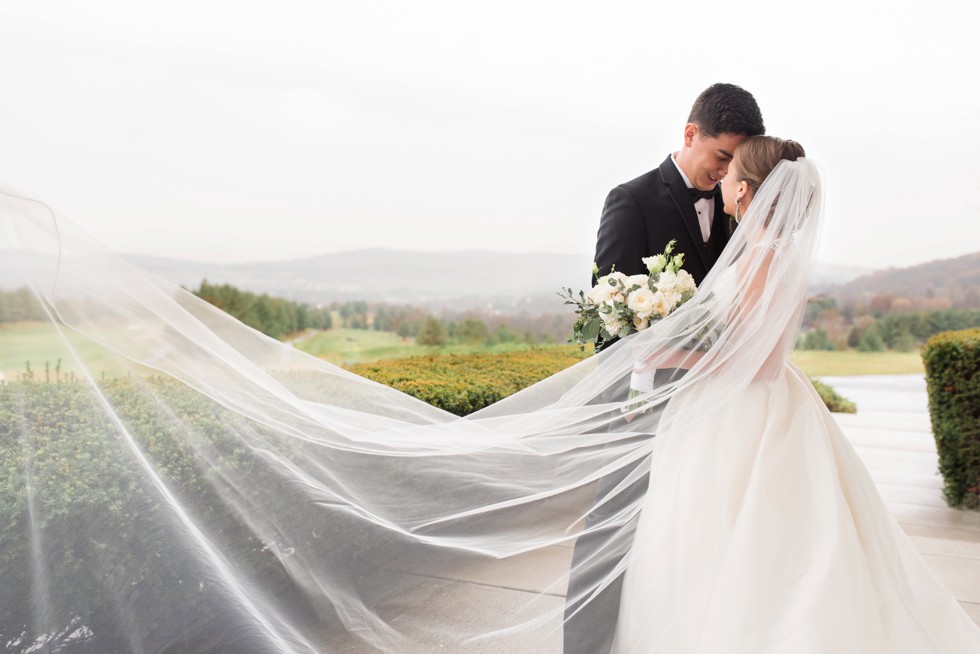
(174, 481)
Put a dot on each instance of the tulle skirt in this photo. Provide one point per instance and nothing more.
(762, 532)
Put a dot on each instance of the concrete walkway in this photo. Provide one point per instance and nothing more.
(891, 433)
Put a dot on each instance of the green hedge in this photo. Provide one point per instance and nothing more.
(462, 384)
(834, 400)
(952, 362)
(81, 522)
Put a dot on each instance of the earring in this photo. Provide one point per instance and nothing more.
(738, 205)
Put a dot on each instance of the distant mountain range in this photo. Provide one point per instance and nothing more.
(957, 279)
(468, 279)
(463, 279)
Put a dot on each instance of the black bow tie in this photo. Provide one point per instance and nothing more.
(698, 194)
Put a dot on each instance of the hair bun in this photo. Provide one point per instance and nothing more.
(792, 150)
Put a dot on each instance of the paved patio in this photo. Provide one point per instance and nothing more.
(891, 433)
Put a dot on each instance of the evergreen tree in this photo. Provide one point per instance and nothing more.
(904, 342)
(432, 333)
(871, 340)
(817, 340)
(504, 334)
(472, 331)
(273, 316)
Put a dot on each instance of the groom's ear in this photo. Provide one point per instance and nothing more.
(690, 131)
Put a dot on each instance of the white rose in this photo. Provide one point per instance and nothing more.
(643, 281)
(661, 305)
(640, 302)
(619, 277)
(667, 281)
(600, 293)
(673, 297)
(613, 323)
(641, 323)
(685, 282)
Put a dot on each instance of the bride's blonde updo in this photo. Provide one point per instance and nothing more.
(756, 156)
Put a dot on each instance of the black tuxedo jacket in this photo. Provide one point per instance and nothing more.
(641, 216)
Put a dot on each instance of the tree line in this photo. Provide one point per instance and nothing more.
(470, 326)
(273, 316)
(20, 304)
(886, 323)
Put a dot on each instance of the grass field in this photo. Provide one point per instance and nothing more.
(35, 343)
(39, 343)
(350, 346)
(818, 363)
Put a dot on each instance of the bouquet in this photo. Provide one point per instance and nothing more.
(620, 304)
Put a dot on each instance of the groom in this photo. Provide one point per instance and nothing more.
(680, 200)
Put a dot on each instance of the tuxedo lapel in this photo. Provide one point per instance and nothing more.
(677, 190)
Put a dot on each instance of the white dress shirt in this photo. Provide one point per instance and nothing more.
(704, 207)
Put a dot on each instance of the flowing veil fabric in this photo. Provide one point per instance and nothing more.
(181, 483)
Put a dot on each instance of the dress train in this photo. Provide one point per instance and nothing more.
(763, 532)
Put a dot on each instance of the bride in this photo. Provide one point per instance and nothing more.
(761, 530)
(181, 483)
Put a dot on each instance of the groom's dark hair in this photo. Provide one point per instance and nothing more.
(727, 109)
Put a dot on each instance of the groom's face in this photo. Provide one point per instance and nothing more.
(709, 156)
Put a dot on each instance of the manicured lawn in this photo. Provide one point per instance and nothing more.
(350, 346)
(818, 363)
(36, 343)
(39, 343)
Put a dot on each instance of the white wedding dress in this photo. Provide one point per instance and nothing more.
(763, 533)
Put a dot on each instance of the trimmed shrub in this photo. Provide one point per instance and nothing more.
(76, 504)
(462, 384)
(952, 362)
(834, 400)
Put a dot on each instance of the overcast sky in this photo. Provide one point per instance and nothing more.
(238, 131)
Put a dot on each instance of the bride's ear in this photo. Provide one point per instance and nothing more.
(742, 192)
